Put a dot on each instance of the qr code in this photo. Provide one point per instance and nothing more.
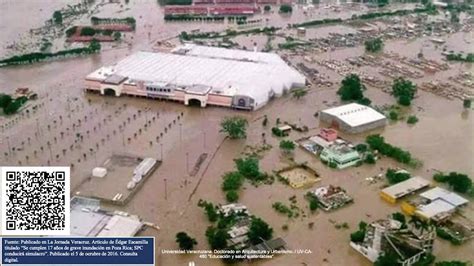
(35, 201)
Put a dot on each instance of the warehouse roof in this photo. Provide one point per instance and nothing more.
(406, 187)
(355, 114)
(445, 195)
(227, 71)
(435, 208)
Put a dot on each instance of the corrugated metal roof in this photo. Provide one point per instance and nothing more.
(447, 196)
(406, 187)
(355, 114)
(434, 208)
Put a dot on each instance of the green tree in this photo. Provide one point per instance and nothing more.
(185, 242)
(412, 119)
(58, 17)
(351, 88)
(71, 31)
(373, 45)
(184, 36)
(88, 31)
(404, 90)
(467, 103)
(395, 177)
(259, 230)
(94, 45)
(398, 216)
(267, 8)
(117, 35)
(232, 181)
(287, 146)
(5, 100)
(459, 182)
(248, 167)
(382, 2)
(370, 158)
(210, 210)
(217, 238)
(451, 263)
(235, 127)
(285, 8)
(358, 236)
(387, 259)
(298, 93)
(232, 196)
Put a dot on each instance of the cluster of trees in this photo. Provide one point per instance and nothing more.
(184, 241)
(94, 47)
(259, 230)
(457, 181)
(451, 263)
(128, 20)
(58, 17)
(217, 237)
(286, 8)
(178, 2)
(318, 22)
(359, 235)
(287, 146)
(372, 15)
(10, 105)
(283, 209)
(394, 176)
(460, 57)
(447, 236)
(404, 90)
(232, 183)
(210, 209)
(374, 45)
(377, 142)
(352, 89)
(235, 127)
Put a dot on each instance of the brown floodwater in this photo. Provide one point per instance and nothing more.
(442, 139)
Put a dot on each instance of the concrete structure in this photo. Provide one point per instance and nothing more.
(436, 204)
(199, 75)
(328, 134)
(410, 244)
(331, 197)
(353, 118)
(341, 154)
(393, 193)
(89, 220)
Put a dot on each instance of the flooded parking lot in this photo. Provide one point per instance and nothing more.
(66, 126)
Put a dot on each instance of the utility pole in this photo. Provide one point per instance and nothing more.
(166, 191)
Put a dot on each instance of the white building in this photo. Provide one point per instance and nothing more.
(353, 118)
(199, 75)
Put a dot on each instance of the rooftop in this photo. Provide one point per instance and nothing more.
(445, 195)
(355, 114)
(406, 187)
(226, 71)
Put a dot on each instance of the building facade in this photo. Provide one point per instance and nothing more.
(199, 75)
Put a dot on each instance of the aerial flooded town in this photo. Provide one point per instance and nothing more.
(251, 132)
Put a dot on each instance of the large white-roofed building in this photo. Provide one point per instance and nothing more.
(353, 118)
(199, 74)
(437, 204)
